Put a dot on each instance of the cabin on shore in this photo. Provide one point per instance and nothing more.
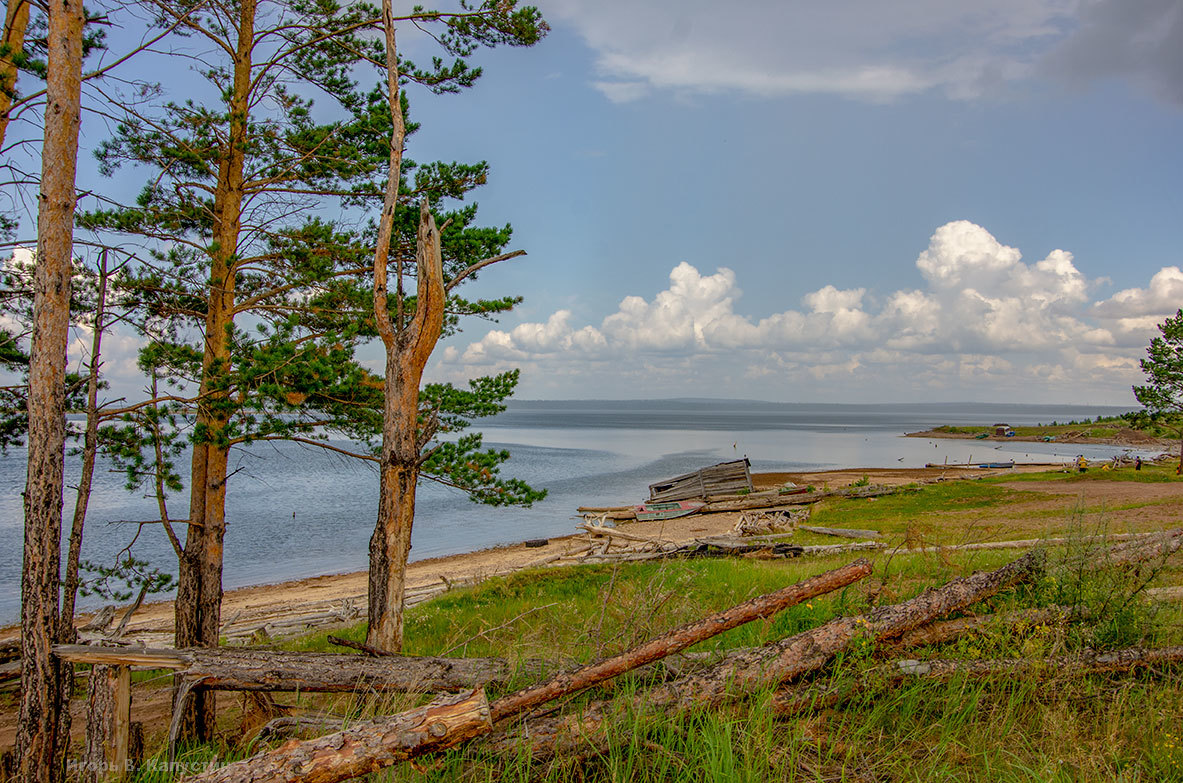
(1004, 431)
(725, 478)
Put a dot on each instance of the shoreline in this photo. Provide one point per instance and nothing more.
(1132, 439)
(292, 606)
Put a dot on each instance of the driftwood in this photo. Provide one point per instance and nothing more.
(840, 532)
(365, 747)
(375, 744)
(1139, 541)
(743, 671)
(795, 702)
(721, 547)
(236, 669)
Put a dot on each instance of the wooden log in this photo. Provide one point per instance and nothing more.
(238, 669)
(948, 630)
(1138, 539)
(364, 748)
(840, 532)
(717, 547)
(612, 532)
(743, 671)
(678, 639)
(794, 702)
(370, 746)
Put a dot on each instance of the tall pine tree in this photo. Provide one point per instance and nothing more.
(256, 288)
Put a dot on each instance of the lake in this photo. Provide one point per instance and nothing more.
(296, 511)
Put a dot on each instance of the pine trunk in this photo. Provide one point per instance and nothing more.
(16, 21)
(37, 739)
(406, 356)
(199, 589)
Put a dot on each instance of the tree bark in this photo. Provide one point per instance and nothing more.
(37, 739)
(364, 748)
(233, 669)
(679, 639)
(354, 752)
(199, 582)
(406, 357)
(16, 20)
(744, 671)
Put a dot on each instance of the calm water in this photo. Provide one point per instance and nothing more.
(297, 511)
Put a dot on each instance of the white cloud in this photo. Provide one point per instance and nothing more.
(856, 48)
(984, 316)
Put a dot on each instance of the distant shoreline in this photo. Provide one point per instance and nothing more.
(1124, 437)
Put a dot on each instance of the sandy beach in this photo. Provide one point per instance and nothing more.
(288, 608)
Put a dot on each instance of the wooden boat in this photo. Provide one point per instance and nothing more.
(672, 510)
(1002, 465)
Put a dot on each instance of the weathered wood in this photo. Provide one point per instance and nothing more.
(612, 532)
(947, 630)
(1030, 543)
(678, 639)
(840, 532)
(108, 724)
(375, 652)
(787, 701)
(363, 748)
(717, 547)
(744, 671)
(236, 669)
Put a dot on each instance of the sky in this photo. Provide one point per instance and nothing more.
(851, 201)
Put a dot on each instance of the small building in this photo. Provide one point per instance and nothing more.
(1003, 431)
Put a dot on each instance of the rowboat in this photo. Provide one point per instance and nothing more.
(670, 510)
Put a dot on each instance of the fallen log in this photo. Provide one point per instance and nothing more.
(717, 547)
(840, 532)
(794, 702)
(1139, 539)
(373, 745)
(947, 630)
(238, 669)
(678, 640)
(744, 671)
(365, 747)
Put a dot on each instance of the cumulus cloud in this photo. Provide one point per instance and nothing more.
(983, 313)
(859, 48)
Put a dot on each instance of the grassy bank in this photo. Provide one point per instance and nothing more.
(1099, 728)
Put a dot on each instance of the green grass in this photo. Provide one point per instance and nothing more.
(1099, 728)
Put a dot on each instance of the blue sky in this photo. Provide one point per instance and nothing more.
(851, 201)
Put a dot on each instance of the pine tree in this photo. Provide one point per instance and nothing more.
(410, 330)
(255, 300)
(1162, 397)
(38, 743)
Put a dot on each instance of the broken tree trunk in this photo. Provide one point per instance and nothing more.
(108, 728)
(323, 759)
(947, 630)
(230, 669)
(364, 748)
